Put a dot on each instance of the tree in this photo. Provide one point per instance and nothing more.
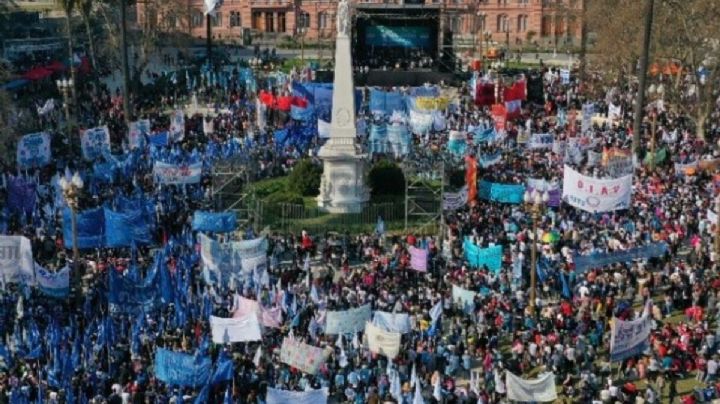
(86, 8)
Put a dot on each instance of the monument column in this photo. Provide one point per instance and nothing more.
(343, 188)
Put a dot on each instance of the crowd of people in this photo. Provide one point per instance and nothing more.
(80, 350)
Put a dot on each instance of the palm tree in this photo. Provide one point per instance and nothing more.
(86, 8)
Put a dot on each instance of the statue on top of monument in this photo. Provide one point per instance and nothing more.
(343, 18)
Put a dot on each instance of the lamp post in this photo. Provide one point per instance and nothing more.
(301, 31)
(535, 204)
(64, 85)
(71, 189)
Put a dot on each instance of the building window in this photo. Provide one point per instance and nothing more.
(503, 24)
(502, 2)
(481, 22)
(303, 20)
(546, 25)
(281, 22)
(522, 23)
(523, 1)
(559, 26)
(455, 24)
(269, 22)
(196, 19)
(216, 19)
(323, 20)
(235, 20)
(256, 20)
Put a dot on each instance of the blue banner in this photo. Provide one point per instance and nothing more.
(181, 369)
(457, 146)
(597, 260)
(488, 160)
(491, 257)
(122, 228)
(33, 150)
(503, 193)
(90, 228)
(386, 102)
(214, 221)
(378, 138)
(484, 135)
(159, 138)
(127, 295)
(425, 91)
(21, 195)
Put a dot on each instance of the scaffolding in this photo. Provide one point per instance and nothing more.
(424, 188)
(230, 191)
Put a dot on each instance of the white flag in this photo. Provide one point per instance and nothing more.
(237, 329)
(541, 389)
(418, 398)
(258, 354)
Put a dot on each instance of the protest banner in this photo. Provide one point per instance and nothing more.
(541, 389)
(503, 193)
(489, 160)
(217, 222)
(455, 200)
(382, 342)
(236, 329)
(541, 141)
(16, 260)
(181, 369)
(630, 338)
(392, 322)
(598, 260)
(418, 259)
(95, 142)
(21, 194)
(499, 117)
(484, 135)
(128, 295)
(347, 321)
(685, 169)
(137, 132)
(33, 150)
(491, 257)
(124, 228)
(276, 396)
(269, 317)
(463, 296)
(596, 195)
(304, 357)
(53, 284)
(177, 174)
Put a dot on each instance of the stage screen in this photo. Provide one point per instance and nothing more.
(398, 36)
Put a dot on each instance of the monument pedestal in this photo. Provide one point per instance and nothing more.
(342, 187)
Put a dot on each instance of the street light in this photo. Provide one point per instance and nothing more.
(64, 85)
(71, 189)
(535, 203)
(302, 31)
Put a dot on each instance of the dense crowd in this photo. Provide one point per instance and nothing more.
(79, 350)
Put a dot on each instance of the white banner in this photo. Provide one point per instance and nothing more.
(541, 389)
(236, 329)
(305, 357)
(16, 261)
(614, 112)
(466, 297)
(177, 126)
(95, 142)
(137, 132)
(177, 174)
(596, 195)
(33, 150)
(541, 141)
(382, 342)
(392, 322)
(630, 338)
(276, 396)
(55, 284)
(455, 200)
(541, 184)
(347, 321)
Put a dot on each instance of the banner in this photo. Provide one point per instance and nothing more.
(323, 129)
(181, 369)
(53, 284)
(596, 195)
(489, 160)
(392, 322)
(541, 141)
(588, 110)
(236, 329)
(491, 257)
(95, 142)
(455, 200)
(159, 139)
(33, 150)
(499, 117)
(630, 338)
(541, 389)
(597, 260)
(301, 114)
(217, 222)
(347, 321)
(21, 195)
(177, 126)
(137, 132)
(382, 342)
(684, 169)
(90, 228)
(16, 260)
(306, 358)
(418, 259)
(177, 174)
(122, 228)
(503, 193)
(464, 296)
(614, 112)
(275, 396)
(420, 122)
(127, 295)
(431, 103)
(483, 135)
(221, 259)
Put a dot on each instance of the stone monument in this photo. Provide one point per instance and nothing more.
(342, 188)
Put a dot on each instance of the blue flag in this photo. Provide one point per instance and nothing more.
(180, 369)
(224, 371)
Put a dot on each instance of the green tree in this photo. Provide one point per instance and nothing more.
(305, 178)
(386, 178)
